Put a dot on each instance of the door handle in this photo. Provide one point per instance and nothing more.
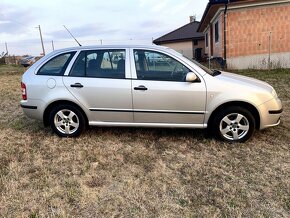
(141, 88)
(77, 85)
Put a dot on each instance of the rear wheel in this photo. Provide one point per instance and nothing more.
(66, 121)
(234, 124)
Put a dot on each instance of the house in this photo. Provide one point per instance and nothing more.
(248, 33)
(185, 40)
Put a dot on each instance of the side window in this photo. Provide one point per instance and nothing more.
(100, 64)
(78, 68)
(216, 31)
(151, 65)
(92, 68)
(106, 61)
(57, 65)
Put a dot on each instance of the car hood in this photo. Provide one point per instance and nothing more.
(244, 81)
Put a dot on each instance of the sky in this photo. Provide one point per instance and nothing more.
(91, 22)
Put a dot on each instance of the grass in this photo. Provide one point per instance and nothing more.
(130, 172)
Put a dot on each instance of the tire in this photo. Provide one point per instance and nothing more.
(234, 124)
(66, 120)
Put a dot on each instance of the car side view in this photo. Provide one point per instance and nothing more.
(144, 86)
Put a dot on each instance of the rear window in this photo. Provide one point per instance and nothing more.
(57, 65)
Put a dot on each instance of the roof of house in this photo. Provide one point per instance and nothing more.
(214, 5)
(184, 33)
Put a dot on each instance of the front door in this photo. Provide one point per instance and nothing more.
(98, 81)
(160, 93)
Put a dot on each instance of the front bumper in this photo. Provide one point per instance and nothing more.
(270, 113)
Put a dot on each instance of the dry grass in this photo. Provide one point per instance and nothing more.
(140, 172)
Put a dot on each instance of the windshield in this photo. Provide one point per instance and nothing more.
(207, 70)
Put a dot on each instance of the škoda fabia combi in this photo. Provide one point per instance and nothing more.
(144, 86)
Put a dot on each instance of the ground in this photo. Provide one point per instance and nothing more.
(130, 172)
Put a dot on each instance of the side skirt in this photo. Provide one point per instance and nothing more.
(154, 125)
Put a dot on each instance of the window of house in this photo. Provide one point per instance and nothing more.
(195, 42)
(57, 65)
(100, 64)
(206, 40)
(151, 65)
(216, 31)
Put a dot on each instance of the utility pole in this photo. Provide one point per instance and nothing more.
(269, 57)
(6, 48)
(43, 51)
(52, 45)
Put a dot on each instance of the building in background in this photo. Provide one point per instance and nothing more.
(249, 33)
(185, 40)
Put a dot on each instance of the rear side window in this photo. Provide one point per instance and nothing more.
(57, 65)
(100, 64)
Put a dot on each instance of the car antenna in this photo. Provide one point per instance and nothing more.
(72, 35)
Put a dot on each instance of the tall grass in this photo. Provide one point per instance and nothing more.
(135, 172)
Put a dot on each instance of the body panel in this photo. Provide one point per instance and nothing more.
(161, 98)
(98, 95)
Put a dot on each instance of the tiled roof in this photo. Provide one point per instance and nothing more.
(186, 32)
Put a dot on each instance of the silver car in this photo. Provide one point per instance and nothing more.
(71, 88)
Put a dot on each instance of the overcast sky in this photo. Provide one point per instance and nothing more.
(112, 21)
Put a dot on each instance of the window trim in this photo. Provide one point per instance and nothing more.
(65, 67)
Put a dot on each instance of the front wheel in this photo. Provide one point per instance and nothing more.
(234, 124)
(66, 121)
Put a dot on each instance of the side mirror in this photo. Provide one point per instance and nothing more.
(191, 77)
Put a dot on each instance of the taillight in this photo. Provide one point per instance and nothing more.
(23, 88)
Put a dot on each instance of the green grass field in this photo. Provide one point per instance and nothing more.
(136, 172)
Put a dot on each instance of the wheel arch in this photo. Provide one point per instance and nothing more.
(251, 108)
(59, 102)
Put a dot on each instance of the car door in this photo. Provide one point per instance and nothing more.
(160, 93)
(98, 80)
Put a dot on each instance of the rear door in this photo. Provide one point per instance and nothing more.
(98, 80)
(160, 93)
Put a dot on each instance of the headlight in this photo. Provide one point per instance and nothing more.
(274, 93)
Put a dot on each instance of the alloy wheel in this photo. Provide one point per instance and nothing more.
(66, 121)
(234, 126)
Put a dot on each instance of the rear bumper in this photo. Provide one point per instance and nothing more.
(33, 108)
(28, 107)
(270, 113)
